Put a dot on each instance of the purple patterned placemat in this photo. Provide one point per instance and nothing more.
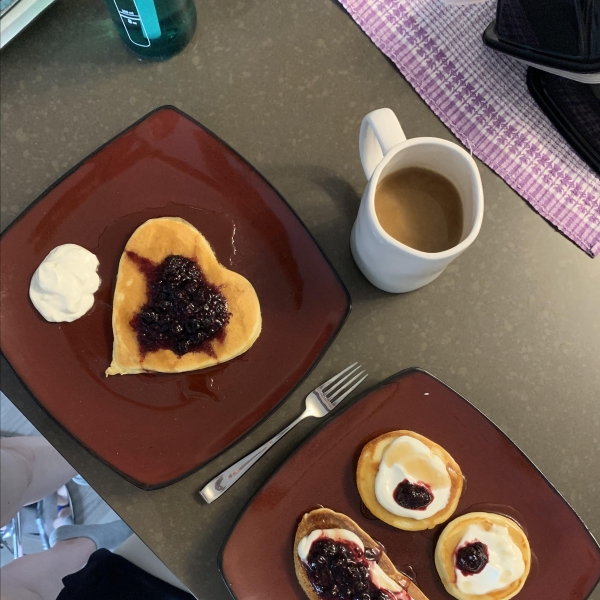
(481, 95)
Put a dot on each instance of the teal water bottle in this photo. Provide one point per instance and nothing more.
(154, 29)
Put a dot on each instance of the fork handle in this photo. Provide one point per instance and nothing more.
(222, 482)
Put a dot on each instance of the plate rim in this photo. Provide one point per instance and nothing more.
(394, 377)
(316, 361)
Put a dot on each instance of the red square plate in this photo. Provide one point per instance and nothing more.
(156, 428)
(256, 561)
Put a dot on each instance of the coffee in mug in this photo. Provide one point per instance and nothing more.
(420, 208)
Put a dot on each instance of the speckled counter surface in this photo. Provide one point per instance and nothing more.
(513, 324)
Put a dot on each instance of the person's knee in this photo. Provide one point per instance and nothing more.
(16, 474)
(13, 591)
(26, 448)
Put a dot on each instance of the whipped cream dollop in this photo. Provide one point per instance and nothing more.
(505, 560)
(409, 458)
(377, 574)
(63, 286)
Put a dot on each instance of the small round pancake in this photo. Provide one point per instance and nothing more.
(366, 473)
(450, 538)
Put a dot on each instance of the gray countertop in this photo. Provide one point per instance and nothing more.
(513, 324)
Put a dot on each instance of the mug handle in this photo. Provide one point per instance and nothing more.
(380, 131)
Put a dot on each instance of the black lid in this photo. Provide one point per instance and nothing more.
(561, 34)
(573, 108)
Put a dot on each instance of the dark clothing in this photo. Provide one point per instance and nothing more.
(108, 576)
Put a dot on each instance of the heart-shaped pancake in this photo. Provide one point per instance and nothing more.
(175, 307)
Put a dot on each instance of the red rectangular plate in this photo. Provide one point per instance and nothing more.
(256, 561)
(156, 428)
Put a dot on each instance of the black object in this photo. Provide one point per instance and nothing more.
(108, 576)
(563, 35)
(573, 108)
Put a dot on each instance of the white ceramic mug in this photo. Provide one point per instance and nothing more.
(387, 263)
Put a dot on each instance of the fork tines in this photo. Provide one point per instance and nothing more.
(344, 384)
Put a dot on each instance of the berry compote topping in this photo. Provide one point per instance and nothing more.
(412, 495)
(472, 558)
(373, 554)
(338, 569)
(183, 312)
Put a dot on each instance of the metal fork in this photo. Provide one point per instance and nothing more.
(318, 403)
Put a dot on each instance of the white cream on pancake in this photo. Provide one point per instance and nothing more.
(409, 458)
(505, 564)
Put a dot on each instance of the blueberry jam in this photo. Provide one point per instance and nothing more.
(412, 495)
(183, 312)
(472, 558)
(373, 554)
(338, 569)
